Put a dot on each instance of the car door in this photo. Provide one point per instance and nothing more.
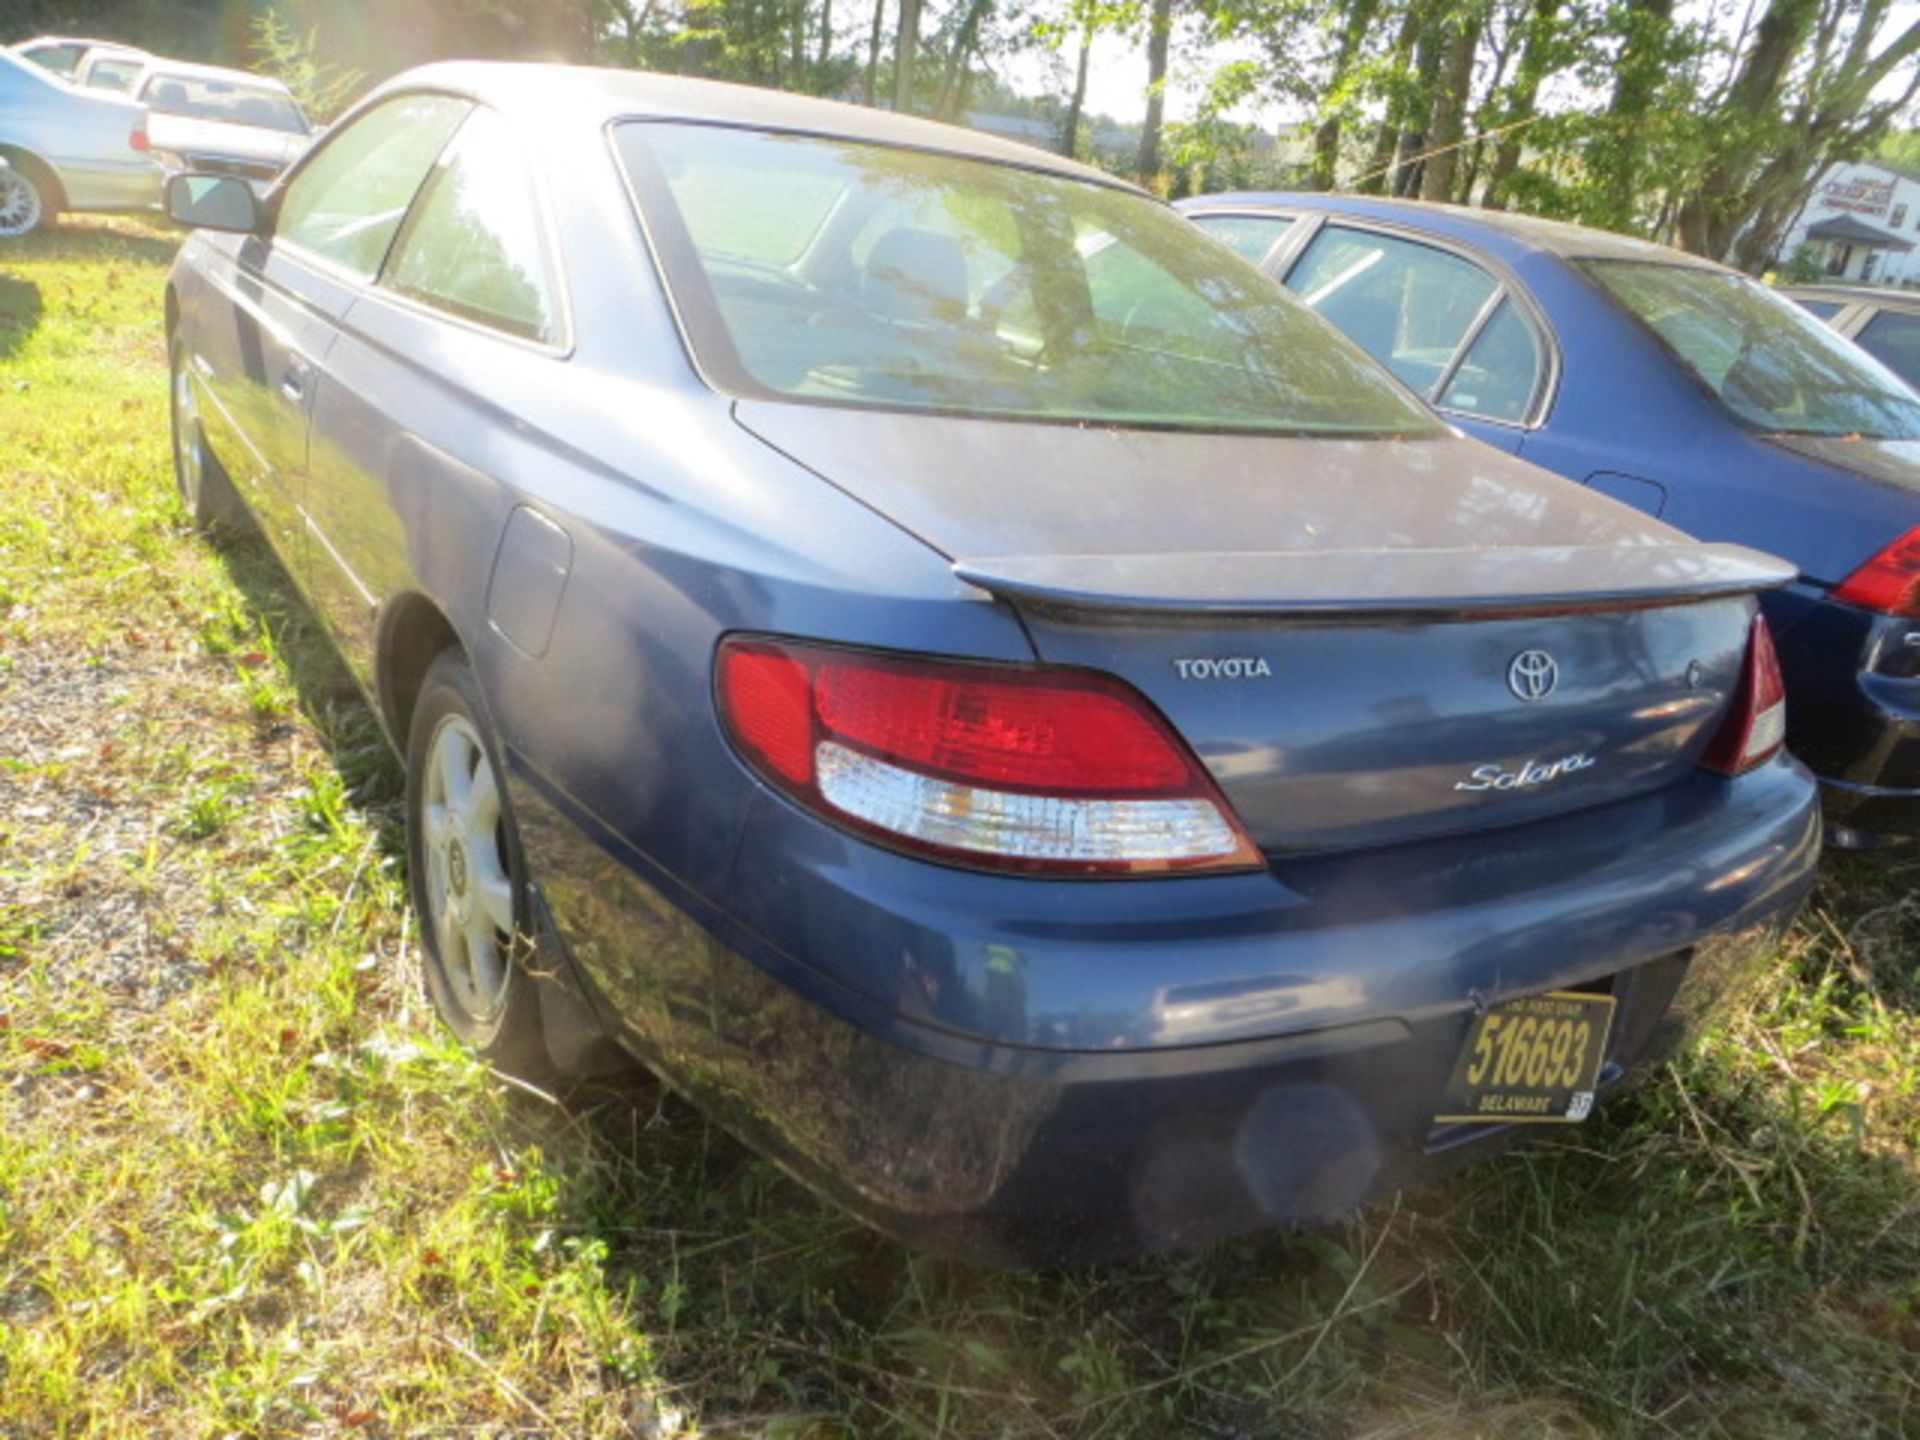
(407, 434)
(333, 225)
(1447, 326)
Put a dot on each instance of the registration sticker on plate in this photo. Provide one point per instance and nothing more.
(1532, 1060)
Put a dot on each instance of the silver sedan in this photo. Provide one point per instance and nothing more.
(68, 149)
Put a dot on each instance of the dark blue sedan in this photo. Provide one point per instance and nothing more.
(991, 698)
(1678, 386)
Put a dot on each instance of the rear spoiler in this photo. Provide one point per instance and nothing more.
(1518, 580)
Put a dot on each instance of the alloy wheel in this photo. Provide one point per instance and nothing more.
(187, 464)
(469, 895)
(20, 203)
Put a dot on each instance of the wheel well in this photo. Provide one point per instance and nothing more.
(173, 311)
(415, 632)
(41, 173)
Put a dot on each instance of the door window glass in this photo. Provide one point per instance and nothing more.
(114, 74)
(1496, 378)
(1894, 340)
(1252, 235)
(1819, 309)
(473, 246)
(1408, 305)
(347, 202)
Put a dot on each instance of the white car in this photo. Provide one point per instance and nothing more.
(208, 120)
(67, 55)
(68, 149)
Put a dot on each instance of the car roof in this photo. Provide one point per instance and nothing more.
(160, 65)
(1501, 232)
(602, 95)
(88, 41)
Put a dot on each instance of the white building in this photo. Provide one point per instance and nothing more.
(1863, 223)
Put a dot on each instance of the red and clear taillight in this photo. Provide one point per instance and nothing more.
(1756, 726)
(1889, 582)
(138, 139)
(1035, 770)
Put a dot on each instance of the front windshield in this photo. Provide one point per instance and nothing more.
(201, 98)
(833, 271)
(1768, 361)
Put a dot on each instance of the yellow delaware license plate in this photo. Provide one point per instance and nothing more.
(1536, 1059)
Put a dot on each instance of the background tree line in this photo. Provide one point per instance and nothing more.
(1704, 124)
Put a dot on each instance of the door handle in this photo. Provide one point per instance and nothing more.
(293, 384)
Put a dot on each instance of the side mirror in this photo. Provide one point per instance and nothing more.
(213, 202)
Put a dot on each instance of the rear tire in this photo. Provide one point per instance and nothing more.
(468, 877)
(26, 202)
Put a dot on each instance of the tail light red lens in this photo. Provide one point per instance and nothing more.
(138, 139)
(1890, 581)
(1756, 726)
(1009, 768)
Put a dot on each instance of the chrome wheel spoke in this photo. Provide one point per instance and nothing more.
(484, 962)
(483, 806)
(494, 895)
(452, 768)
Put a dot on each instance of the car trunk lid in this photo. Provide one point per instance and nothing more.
(1374, 642)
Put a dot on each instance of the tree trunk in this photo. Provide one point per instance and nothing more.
(1449, 115)
(1159, 40)
(1326, 137)
(906, 53)
(1416, 108)
(873, 49)
(1638, 72)
(966, 41)
(826, 35)
(1520, 105)
(1070, 127)
(1386, 140)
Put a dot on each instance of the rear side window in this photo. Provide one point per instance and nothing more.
(113, 74)
(1253, 236)
(473, 246)
(347, 203)
(1819, 309)
(1497, 376)
(207, 97)
(1408, 305)
(1894, 340)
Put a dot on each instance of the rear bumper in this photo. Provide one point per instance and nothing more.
(1853, 712)
(1004, 1084)
(110, 184)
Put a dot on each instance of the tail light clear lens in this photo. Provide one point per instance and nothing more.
(1756, 726)
(1034, 770)
(1890, 581)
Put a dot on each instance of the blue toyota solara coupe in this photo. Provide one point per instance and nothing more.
(1679, 386)
(994, 700)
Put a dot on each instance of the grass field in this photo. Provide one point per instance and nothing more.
(247, 1187)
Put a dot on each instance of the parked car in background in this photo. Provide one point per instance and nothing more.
(1883, 322)
(1679, 386)
(989, 696)
(64, 55)
(68, 149)
(111, 67)
(214, 121)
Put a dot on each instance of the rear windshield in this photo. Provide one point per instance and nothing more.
(1768, 361)
(838, 272)
(200, 98)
